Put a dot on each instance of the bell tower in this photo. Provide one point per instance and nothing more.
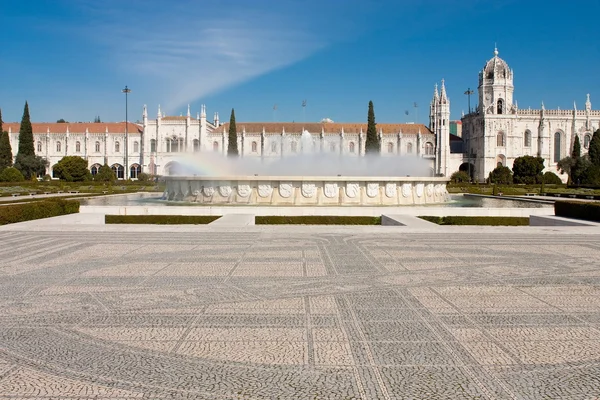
(496, 87)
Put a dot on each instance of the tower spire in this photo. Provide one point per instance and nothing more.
(443, 96)
(159, 113)
(188, 111)
(588, 103)
(436, 95)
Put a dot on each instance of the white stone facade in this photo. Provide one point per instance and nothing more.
(498, 131)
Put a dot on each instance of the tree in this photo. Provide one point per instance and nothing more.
(72, 169)
(97, 119)
(550, 178)
(31, 166)
(232, 148)
(11, 174)
(576, 153)
(528, 169)
(26, 161)
(372, 143)
(6, 158)
(501, 174)
(567, 166)
(62, 121)
(594, 150)
(105, 174)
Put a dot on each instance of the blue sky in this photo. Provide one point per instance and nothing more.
(71, 58)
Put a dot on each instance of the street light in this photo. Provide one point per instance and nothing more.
(126, 167)
(469, 92)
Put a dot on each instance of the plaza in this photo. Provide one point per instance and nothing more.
(298, 312)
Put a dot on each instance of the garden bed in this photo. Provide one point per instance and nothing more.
(316, 220)
(161, 219)
(489, 221)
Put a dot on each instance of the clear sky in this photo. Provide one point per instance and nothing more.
(71, 58)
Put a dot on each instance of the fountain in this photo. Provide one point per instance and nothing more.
(299, 181)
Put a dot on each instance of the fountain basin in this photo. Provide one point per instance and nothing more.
(307, 190)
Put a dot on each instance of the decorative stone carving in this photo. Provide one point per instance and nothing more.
(438, 189)
(406, 189)
(331, 189)
(265, 189)
(225, 190)
(352, 189)
(372, 189)
(308, 189)
(420, 188)
(285, 189)
(208, 191)
(244, 190)
(390, 189)
(430, 189)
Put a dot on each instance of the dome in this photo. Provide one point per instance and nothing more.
(496, 68)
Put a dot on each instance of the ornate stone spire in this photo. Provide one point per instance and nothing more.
(203, 111)
(188, 112)
(588, 103)
(436, 95)
(145, 112)
(159, 114)
(443, 96)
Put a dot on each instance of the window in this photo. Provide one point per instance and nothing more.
(390, 147)
(586, 141)
(95, 168)
(500, 106)
(501, 160)
(351, 147)
(409, 147)
(196, 144)
(77, 147)
(134, 171)
(215, 146)
(118, 170)
(58, 147)
(153, 145)
(294, 147)
(332, 147)
(173, 145)
(557, 140)
(500, 139)
(273, 147)
(527, 139)
(97, 147)
(136, 147)
(254, 147)
(39, 147)
(117, 147)
(428, 149)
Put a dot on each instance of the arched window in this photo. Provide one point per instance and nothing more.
(152, 145)
(351, 147)
(527, 139)
(390, 147)
(294, 147)
(254, 147)
(428, 149)
(273, 147)
(117, 147)
(500, 106)
(136, 147)
(118, 170)
(215, 146)
(134, 171)
(196, 143)
(58, 147)
(77, 147)
(501, 160)
(586, 141)
(97, 147)
(39, 147)
(95, 168)
(173, 145)
(409, 148)
(557, 144)
(500, 142)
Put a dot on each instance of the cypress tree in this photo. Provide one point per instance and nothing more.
(6, 159)
(26, 135)
(372, 142)
(576, 153)
(594, 150)
(232, 148)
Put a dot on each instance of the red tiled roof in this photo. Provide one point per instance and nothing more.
(77, 127)
(332, 127)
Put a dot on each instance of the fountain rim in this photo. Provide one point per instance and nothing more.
(308, 178)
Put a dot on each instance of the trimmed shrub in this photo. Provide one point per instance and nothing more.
(491, 221)
(11, 174)
(589, 211)
(316, 220)
(460, 177)
(143, 177)
(551, 178)
(36, 210)
(502, 175)
(160, 219)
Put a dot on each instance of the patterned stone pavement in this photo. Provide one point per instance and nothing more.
(272, 315)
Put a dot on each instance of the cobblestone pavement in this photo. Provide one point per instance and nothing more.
(246, 315)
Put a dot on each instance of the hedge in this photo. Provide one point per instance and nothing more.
(160, 219)
(589, 211)
(13, 213)
(316, 220)
(491, 221)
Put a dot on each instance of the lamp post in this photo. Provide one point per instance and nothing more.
(126, 167)
(469, 92)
